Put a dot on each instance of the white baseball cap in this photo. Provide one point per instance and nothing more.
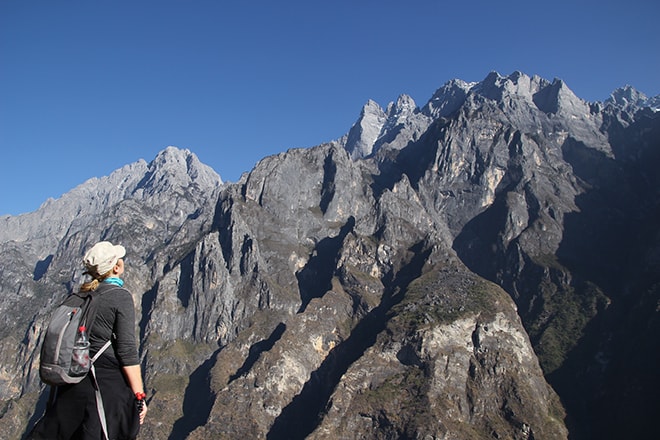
(102, 257)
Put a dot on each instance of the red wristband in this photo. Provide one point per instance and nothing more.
(140, 396)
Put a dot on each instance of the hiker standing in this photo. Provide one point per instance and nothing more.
(75, 413)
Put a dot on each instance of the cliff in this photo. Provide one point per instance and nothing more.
(485, 266)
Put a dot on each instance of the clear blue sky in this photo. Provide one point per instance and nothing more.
(89, 86)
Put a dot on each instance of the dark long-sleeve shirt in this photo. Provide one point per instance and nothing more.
(115, 318)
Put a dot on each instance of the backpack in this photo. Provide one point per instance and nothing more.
(56, 350)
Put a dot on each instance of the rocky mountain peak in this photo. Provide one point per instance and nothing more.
(400, 110)
(366, 130)
(629, 98)
(377, 127)
(626, 96)
(496, 86)
(521, 89)
(448, 98)
(177, 168)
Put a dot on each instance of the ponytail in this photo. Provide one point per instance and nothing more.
(97, 279)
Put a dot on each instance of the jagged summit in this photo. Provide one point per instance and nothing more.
(176, 168)
(448, 98)
(496, 87)
(374, 124)
(530, 98)
(366, 130)
(184, 164)
(628, 97)
(376, 128)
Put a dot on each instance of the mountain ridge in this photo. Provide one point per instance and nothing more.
(550, 97)
(444, 284)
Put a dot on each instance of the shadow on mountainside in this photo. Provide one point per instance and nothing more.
(609, 381)
(412, 160)
(315, 278)
(303, 415)
(41, 268)
(256, 349)
(197, 401)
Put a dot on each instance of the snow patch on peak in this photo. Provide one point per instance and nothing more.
(654, 103)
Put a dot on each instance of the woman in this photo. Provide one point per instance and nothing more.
(74, 414)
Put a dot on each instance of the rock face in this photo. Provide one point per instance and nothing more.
(446, 272)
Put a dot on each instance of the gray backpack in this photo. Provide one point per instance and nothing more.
(56, 350)
(78, 309)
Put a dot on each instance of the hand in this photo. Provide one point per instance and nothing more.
(143, 412)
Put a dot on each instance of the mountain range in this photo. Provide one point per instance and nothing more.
(484, 266)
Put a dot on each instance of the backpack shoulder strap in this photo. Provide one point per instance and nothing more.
(99, 401)
(107, 344)
(90, 312)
